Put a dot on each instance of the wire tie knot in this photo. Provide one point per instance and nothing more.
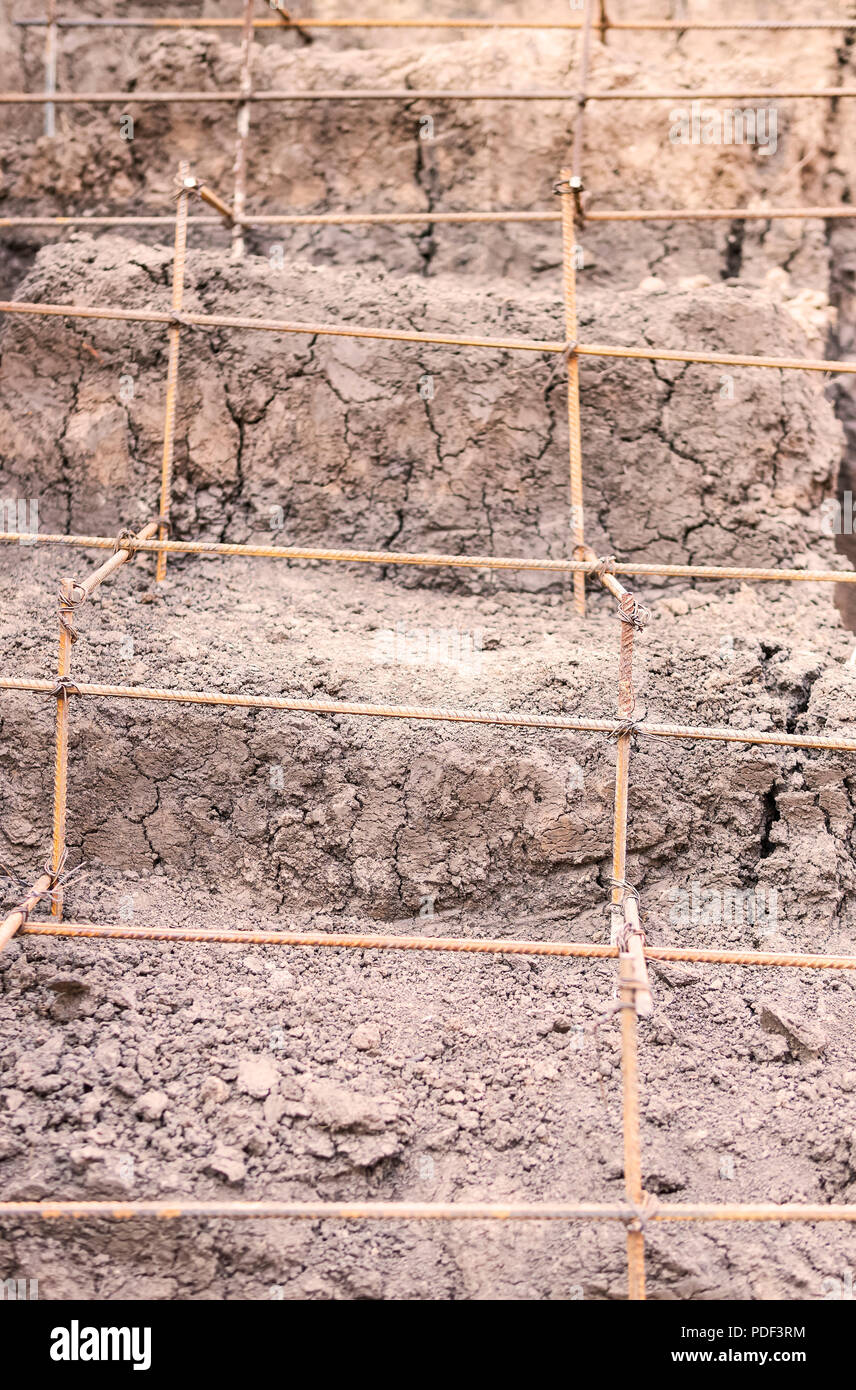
(180, 319)
(626, 726)
(643, 1212)
(67, 605)
(125, 540)
(630, 611)
(188, 184)
(64, 687)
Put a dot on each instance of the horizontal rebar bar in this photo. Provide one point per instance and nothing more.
(358, 219)
(278, 326)
(719, 734)
(715, 359)
(430, 1211)
(339, 94)
(487, 946)
(89, 220)
(713, 214)
(644, 25)
(476, 562)
(191, 319)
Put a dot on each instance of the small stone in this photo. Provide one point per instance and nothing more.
(151, 1105)
(228, 1164)
(127, 1083)
(805, 1039)
(562, 1025)
(214, 1090)
(257, 1076)
(366, 1038)
(122, 996)
(677, 976)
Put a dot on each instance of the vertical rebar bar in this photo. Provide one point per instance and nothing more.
(240, 198)
(626, 704)
(66, 638)
(172, 368)
(603, 21)
(580, 118)
(630, 1111)
(51, 44)
(569, 285)
(625, 927)
(634, 993)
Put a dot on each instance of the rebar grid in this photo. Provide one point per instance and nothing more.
(628, 944)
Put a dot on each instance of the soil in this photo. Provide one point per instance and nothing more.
(172, 1069)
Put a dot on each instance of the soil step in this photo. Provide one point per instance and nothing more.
(316, 440)
(307, 815)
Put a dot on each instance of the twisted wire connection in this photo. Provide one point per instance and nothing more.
(18, 916)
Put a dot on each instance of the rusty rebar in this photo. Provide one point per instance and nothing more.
(580, 115)
(239, 197)
(428, 1211)
(612, 727)
(67, 636)
(494, 562)
(51, 45)
(301, 22)
(347, 219)
(71, 596)
(178, 267)
(630, 1125)
(568, 189)
(191, 319)
(408, 94)
(374, 941)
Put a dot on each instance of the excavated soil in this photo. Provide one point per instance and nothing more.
(173, 1069)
